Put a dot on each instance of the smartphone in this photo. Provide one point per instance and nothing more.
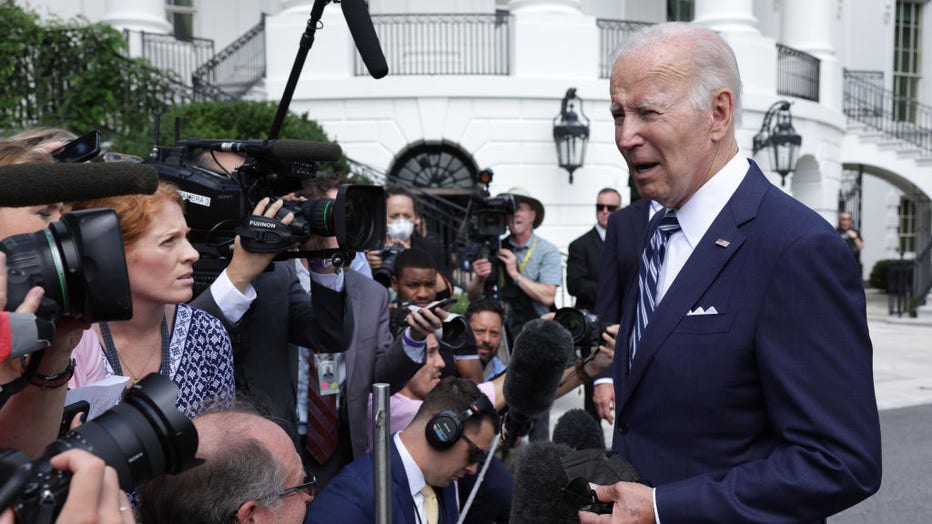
(81, 406)
(443, 304)
(81, 149)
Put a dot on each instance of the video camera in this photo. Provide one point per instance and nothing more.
(142, 437)
(220, 203)
(486, 220)
(585, 327)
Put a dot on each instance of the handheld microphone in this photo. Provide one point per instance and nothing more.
(540, 355)
(37, 184)
(360, 26)
(539, 481)
(577, 429)
(284, 149)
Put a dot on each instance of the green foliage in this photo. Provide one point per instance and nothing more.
(237, 120)
(74, 74)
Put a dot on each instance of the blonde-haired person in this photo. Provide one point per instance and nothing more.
(165, 335)
(43, 139)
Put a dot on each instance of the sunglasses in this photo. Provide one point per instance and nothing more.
(603, 207)
(477, 455)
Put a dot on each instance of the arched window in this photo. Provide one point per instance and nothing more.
(435, 165)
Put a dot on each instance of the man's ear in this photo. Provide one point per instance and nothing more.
(248, 512)
(723, 110)
(395, 283)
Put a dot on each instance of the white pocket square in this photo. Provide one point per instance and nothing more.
(699, 311)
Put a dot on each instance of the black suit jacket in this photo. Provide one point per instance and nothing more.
(621, 255)
(281, 313)
(582, 269)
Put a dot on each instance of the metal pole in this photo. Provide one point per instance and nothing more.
(381, 453)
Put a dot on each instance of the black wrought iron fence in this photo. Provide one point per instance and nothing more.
(611, 34)
(235, 69)
(883, 110)
(443, 44)
(167, 53)
(797, 73)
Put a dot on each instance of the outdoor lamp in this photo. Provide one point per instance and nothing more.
(570, 134)
(781, 138)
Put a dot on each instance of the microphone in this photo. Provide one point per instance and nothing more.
(540, 355)
(539, 481)
(360, 26)
(37, 184)
(284, 149)
(577, 429)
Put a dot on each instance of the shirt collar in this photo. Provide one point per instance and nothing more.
(412, 470)
(698, 213)
(600, 230)
(530, 239)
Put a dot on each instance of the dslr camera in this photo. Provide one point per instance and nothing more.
(383, 275)
(585, 327)
(142, 437)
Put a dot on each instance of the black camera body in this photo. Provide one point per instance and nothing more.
(453, 333)
(486, 222)
(389, 253)
(585, 327)
(142, 437)
(219, 206)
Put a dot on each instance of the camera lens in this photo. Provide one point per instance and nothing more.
(356, 217)
(79, 261)
(574, 321)
(142, 437)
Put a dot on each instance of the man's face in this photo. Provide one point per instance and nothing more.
(453, 463)
(294, 505)
(606, 204)
(427, 378)
(417, 285)
(398, 207)
(665, 141)
(844, 221)
(487, 326)
(522, 221)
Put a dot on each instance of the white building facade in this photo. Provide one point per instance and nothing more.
(477, 84)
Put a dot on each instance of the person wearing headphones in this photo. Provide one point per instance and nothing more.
(449, 437)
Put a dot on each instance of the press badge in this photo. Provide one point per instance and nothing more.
(328, 373)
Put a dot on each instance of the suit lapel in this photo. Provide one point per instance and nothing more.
(401, 490)
(355, 302)
(698, 274)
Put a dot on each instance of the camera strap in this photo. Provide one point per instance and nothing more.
(260, 234)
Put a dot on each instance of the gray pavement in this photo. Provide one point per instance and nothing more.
(903, 385)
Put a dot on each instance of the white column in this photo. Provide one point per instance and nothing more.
(137, 15)
(726, 16)
(807, 26)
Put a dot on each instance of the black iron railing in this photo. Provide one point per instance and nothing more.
(443, 217)
(229, 74)
(900, 287)
(611, 34)
(797, 73)
(883, 110)
(443, 44)
(179, 56)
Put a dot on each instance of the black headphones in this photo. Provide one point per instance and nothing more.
(446, 427)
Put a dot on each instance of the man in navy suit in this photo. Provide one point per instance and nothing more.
(416, 462)
(582, 264)
(748, 394)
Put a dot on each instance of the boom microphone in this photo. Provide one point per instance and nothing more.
(37, 184)
(367, 42)
(540, 355)
(539, 482)
(577, 429)
(284, 149)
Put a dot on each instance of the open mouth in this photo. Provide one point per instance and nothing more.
(644, 167)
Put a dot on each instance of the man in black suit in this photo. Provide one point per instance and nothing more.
(582, 266)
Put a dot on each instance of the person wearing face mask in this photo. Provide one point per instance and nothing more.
(403, 231)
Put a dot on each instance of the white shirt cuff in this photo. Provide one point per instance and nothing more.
(416, 350)
(231, 302)
(656, 513)
(598, 381)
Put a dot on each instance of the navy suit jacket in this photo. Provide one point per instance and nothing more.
(621, 254)
(764, 412)
(350, 496)
(582, 269)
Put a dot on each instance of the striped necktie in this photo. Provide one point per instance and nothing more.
(322, 420)
(649, 271)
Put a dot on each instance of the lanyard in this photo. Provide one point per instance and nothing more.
(527, 256)
(111, 353)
